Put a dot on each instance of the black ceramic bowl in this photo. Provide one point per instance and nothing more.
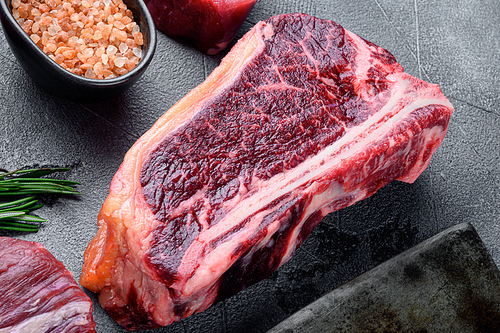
(59, 81)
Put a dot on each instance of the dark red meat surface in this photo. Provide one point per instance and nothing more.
(37, 293)
(209, 25)
(300, 119)
(258, 128)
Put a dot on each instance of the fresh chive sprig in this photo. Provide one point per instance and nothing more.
(15, 215)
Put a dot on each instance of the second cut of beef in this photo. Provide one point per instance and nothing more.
(300, 119)
(38, 294)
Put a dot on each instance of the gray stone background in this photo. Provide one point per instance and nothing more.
(454, 43)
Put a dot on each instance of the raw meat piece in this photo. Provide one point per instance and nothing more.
(300, 119)
(209, 25)
(37, 293)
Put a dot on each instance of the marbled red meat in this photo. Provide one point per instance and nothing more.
(209, 25)
(300, 119)
(37, 293)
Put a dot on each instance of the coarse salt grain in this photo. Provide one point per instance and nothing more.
(89, 73)
(120, 62)
(53, 29)
(45, 20)
(88, 52)
(51, 47)
(98, 68)
(97, 35)
(130, 26)
(69, 54)
(35, 38)
(111, 50)
(118, 34)
(137, 52)
(83, 36)
(123, 48)
(135, 30)
(35, 27)
(100, 51)
(119, 25)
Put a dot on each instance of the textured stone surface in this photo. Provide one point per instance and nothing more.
(447, 283)
(452, 43)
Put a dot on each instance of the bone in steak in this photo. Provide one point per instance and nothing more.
(208, 25)
(37, 293)
(300, 119)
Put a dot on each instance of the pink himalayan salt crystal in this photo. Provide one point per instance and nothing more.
(93, 38)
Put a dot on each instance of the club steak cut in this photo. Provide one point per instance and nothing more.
(300, 119)
(38, 294)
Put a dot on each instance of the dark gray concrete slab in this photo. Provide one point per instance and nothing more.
(451, 43)
(448, 283)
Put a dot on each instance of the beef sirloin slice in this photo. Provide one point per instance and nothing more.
(37, 293)
(208, 25)
(300, 119)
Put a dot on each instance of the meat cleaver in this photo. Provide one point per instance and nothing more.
(448, 283)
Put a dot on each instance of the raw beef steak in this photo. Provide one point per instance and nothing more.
(37, 293)
(300, 119)
(209, 25)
